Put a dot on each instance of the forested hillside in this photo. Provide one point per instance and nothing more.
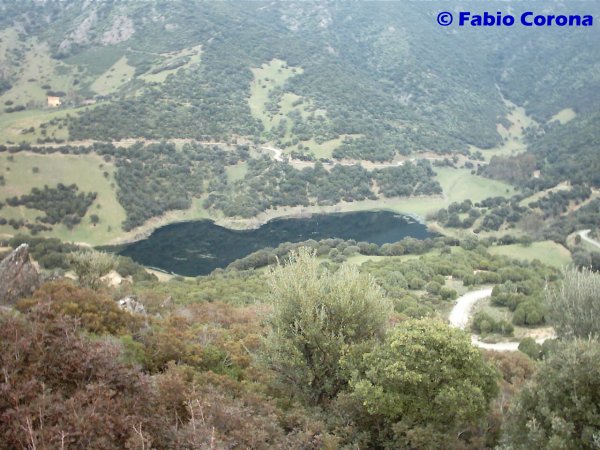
(384, 74)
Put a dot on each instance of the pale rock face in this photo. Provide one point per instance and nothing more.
(122, 29)
(130, 304)
(18, 276)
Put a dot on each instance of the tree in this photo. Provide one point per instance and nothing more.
(422, 387)
(575, 305)
(91, 266)
(318, 316)
(560, 407)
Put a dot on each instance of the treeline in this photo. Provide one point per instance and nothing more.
(157, 178)
(268, 184)
(552, 216)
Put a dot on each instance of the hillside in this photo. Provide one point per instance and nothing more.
(298, 225)
(340, 83)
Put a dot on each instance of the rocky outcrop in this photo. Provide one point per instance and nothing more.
(18, 276)
(122, 29)
(131, 304)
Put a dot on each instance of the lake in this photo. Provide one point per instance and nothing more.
(199, 247)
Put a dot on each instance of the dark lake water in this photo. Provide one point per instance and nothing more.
(197, 248)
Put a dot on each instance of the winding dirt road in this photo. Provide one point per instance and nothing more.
(585, 236)
(462, 311)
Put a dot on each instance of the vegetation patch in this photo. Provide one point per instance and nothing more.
(62, 204)
(110, 81)
(89, 172)
(547, 252)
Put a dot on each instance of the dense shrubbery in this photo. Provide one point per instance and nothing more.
(64, 390)
(50, 253)
(269, 184)
(483, 323)
(195, 355)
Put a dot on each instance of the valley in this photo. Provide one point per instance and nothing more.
(297, 225)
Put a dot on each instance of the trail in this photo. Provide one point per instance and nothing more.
(585, 236)
(462, 311)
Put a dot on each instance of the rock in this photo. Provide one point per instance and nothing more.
(18, 276)
(131, 304)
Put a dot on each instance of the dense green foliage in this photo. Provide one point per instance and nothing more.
(61, 204)
(363, 375)
(268, 184)
(317, 318)
(396, 57)
(49, 253)
(157, 178)
(422, 387)
(90, 266)
(559, 407)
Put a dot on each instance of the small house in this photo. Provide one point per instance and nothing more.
(53, 102)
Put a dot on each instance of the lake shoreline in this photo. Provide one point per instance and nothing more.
(196, 247)
(253, 223)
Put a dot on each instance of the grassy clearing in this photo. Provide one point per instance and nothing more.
(512, 135)
(275, 117)
(538, 195)
(548, 252)
(460, 184)
(564, 116)
(325, 149)
(236, 172)
(266, 78)
(193, 55)
(83, 170)
(12, 125)
(34, 71)
(115, 77)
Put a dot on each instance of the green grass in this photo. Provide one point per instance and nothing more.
(325, 149)
(512, 136)
(115, 77)
(194, 54)
(12, 124)
(35, 69)
(548, 252)
(460, 184)
(266, 78)
(96, 60)
(85, 172)
(236, 172)
(538, 195)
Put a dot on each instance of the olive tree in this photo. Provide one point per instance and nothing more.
(91, 266)
(318, 317)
